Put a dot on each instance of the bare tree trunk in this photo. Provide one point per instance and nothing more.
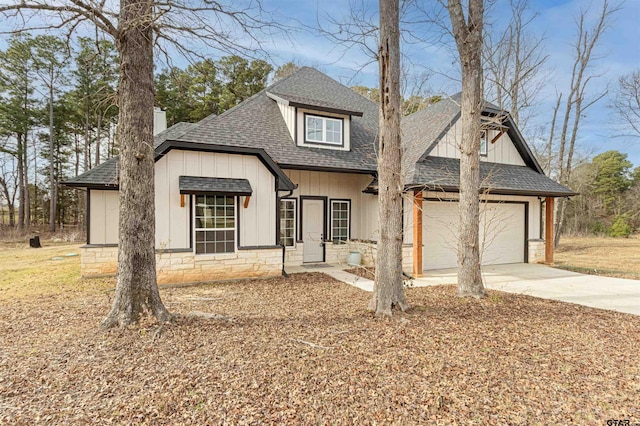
(469, 42)
(98, 128)
(20, 167)
(587, 40)
(87, 140)
(388, 289)
(27, 195)
(136, 289)
(553, 128)
(52, 180)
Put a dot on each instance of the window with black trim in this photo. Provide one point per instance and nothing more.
(323, 130)
(288, 222)
(340, 219)
(215, 224)
(483, 143)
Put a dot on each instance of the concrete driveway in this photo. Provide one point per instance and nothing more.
(615, 294)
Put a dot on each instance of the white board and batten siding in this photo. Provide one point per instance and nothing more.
(502, 151)
(364, 207)
(173, 222)
(103, 223)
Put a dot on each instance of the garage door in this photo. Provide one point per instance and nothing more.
(501, 234)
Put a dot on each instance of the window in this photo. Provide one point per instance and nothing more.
(215, 224)
(483, 143)
(288, 222)
(323, 130)
(340, 212)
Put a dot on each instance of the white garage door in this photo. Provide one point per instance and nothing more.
(501, 234)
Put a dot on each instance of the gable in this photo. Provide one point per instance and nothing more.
(502, 151)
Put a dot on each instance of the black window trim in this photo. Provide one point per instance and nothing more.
(485, 134)
(236, 229)
(295, 222)
(325, 144)
(348, 201)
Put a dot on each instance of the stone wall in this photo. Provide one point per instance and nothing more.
(337, 254)
(99, 260)
(175, 267)
(536, 251)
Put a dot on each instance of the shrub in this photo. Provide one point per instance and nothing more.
(598, 228)
(621, 227)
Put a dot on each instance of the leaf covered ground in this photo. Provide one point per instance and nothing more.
(304, 350)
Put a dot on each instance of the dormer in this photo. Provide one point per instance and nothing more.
(316, 124)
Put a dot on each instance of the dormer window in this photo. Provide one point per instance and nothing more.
(323, 130)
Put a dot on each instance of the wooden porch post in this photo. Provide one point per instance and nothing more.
(548, 234)
(417, 233)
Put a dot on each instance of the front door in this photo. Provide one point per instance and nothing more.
(313, 220)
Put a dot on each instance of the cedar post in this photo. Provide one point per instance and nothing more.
(548, 234)
(417, 233)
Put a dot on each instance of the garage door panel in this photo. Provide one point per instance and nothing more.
(501, 234)
(440, 235)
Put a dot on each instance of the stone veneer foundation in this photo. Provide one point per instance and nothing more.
(337, 254)
(183, 266)
(536, 251)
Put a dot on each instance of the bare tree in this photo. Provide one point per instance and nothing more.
(467, 32)
(388, 289)
(513, 61)
(577, 102)
(626, 103)
(134, 27)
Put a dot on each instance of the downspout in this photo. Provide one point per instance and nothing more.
(278, 236)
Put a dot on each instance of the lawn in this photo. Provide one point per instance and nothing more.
(616, 257)
(305, 350)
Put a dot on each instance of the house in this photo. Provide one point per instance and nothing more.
(289, 177)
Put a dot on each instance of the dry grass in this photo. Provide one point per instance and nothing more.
(305, 351)
(28, 273)
(617, 257)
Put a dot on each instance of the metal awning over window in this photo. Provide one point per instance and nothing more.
(214, 186)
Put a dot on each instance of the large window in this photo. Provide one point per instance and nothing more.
(323, 130)
(288, 222)
(340, 220)
(215, 224)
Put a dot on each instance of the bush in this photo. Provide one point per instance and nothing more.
(621, 227)
(598, 228)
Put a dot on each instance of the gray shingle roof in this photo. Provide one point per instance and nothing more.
(214, 186)
(106, 174)
(258, 123)
(423, 129)
(314, 104)
(440, 172)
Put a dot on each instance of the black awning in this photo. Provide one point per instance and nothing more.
(214, 186)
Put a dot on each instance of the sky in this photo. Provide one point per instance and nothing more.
(618, 54)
